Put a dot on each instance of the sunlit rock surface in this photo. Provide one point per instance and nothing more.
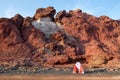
(47, 39)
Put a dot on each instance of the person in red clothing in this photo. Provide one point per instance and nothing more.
(78, 68)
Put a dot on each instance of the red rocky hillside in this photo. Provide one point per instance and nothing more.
(46, 39)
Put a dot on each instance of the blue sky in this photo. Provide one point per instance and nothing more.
(9, 8)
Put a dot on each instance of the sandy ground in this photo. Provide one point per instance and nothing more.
(60, 74)
(52, 77)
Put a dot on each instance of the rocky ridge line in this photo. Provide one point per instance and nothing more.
(46, 39)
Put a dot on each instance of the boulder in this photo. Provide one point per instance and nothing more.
(45, 12)
(18, 20)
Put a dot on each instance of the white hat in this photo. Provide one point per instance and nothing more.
(78, 65)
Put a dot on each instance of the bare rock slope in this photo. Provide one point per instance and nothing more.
(46, 39)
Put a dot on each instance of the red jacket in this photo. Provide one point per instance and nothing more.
(76, 70)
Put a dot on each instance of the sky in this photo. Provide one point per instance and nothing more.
(8, 8)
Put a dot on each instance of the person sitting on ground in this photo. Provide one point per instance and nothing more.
(78, 68)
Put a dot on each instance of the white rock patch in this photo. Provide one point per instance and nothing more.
(46, 25)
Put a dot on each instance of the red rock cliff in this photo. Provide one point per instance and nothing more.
(75, 36)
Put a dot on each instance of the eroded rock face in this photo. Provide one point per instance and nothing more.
(69, 37)
(97, 36)
(32, 36)
(18, 20)
(62, 59)
(12, 48)
(45, 12)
